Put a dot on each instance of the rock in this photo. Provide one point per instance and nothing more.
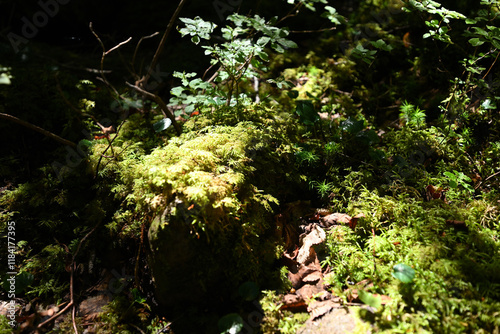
(338, 321)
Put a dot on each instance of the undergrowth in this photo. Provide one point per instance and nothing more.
(191, 216)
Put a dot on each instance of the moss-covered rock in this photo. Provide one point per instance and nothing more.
(209, 196)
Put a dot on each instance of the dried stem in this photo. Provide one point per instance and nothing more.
(38, 129)
(161, 46)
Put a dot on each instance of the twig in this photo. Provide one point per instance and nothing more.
(137, 48)
(140, 330)
(206, 71)
(118, 45)
(40, 325)
(104, 54)
(38, 129)
(161, 103)
(107, 148)
(74, 306)
(486, 179)
(312, 31)
(71, 284)
(291, 13)
(488, 72)
(159, 50)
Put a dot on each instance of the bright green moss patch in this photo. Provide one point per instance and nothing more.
(205, 195)
(457, 283)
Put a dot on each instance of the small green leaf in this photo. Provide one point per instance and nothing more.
(495, 43)
(481, 31)
(475, 41)
(369, 299)
(85, 143)
(465, 178)
(4, 79)
(231, 323)
(306, 111)
(162, 125)
(450, 175)
(249, 291)
(288, 43)
(263, 41)
(177, 91)
(264, 56)
(381, 44)
(403, 272)
(351, 125)
(195, 40)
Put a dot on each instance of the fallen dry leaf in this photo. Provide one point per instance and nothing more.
(323, 295)
(432, 192)
(293, 303)
(313, 277)
(308, 291)
(315, 237)
(334, 218)
(296, 275)
(318, 309)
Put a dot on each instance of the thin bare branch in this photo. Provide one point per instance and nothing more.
(38, 129)
(159, 50)
(137, 48)
(103, 77)
(312, 31)
(118, 45)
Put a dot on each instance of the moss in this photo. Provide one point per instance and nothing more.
(456, 275)
(209, 197)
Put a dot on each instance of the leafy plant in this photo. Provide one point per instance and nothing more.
(459, 179)
(412, 115)
(239, 59)
(439, 28)
(324, 188)
(365, 55)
